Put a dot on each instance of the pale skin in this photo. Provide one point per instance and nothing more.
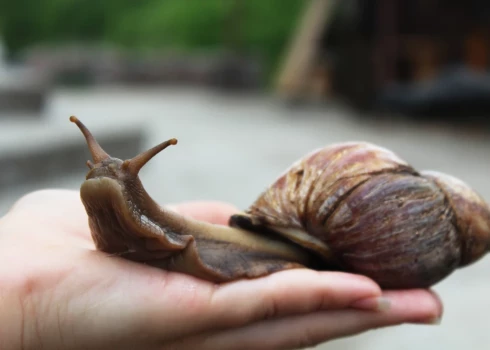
(58, 292)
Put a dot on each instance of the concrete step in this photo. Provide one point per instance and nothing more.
(47, 149)
(23, 91)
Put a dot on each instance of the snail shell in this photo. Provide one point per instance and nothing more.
(364, 210)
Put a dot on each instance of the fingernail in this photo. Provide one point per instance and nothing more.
(376, 304)
(433, 321)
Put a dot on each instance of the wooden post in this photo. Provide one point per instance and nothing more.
(301, 58)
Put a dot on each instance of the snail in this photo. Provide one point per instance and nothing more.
(354, 207)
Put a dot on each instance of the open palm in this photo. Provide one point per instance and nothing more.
(59, 292)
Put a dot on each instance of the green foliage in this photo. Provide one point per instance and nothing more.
(258, 26)
(177, 24)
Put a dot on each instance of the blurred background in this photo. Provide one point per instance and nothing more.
(248, 87)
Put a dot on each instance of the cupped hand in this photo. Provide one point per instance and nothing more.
(58, 292)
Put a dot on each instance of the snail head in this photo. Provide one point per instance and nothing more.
(104, 165)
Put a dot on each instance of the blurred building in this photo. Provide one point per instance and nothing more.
(412, 56)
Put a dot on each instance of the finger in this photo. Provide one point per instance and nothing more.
(211, 211)
(301, 331)
(419, 305)
(293, 291)
(244, 302)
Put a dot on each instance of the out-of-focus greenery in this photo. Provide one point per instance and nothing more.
(264, 26)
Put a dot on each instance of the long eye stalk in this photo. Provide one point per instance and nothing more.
(98, 154)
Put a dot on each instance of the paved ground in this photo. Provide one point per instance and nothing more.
(230, 148)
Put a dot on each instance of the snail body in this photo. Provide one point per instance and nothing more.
(353, 207)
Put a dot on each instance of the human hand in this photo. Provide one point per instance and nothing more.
(58, 292)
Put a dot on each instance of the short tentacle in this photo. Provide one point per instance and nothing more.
(135, 164)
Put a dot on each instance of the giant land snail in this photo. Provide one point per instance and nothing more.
(352, 207)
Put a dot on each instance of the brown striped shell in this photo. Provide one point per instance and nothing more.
(365, 210)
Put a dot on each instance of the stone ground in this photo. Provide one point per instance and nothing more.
(231, 147)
